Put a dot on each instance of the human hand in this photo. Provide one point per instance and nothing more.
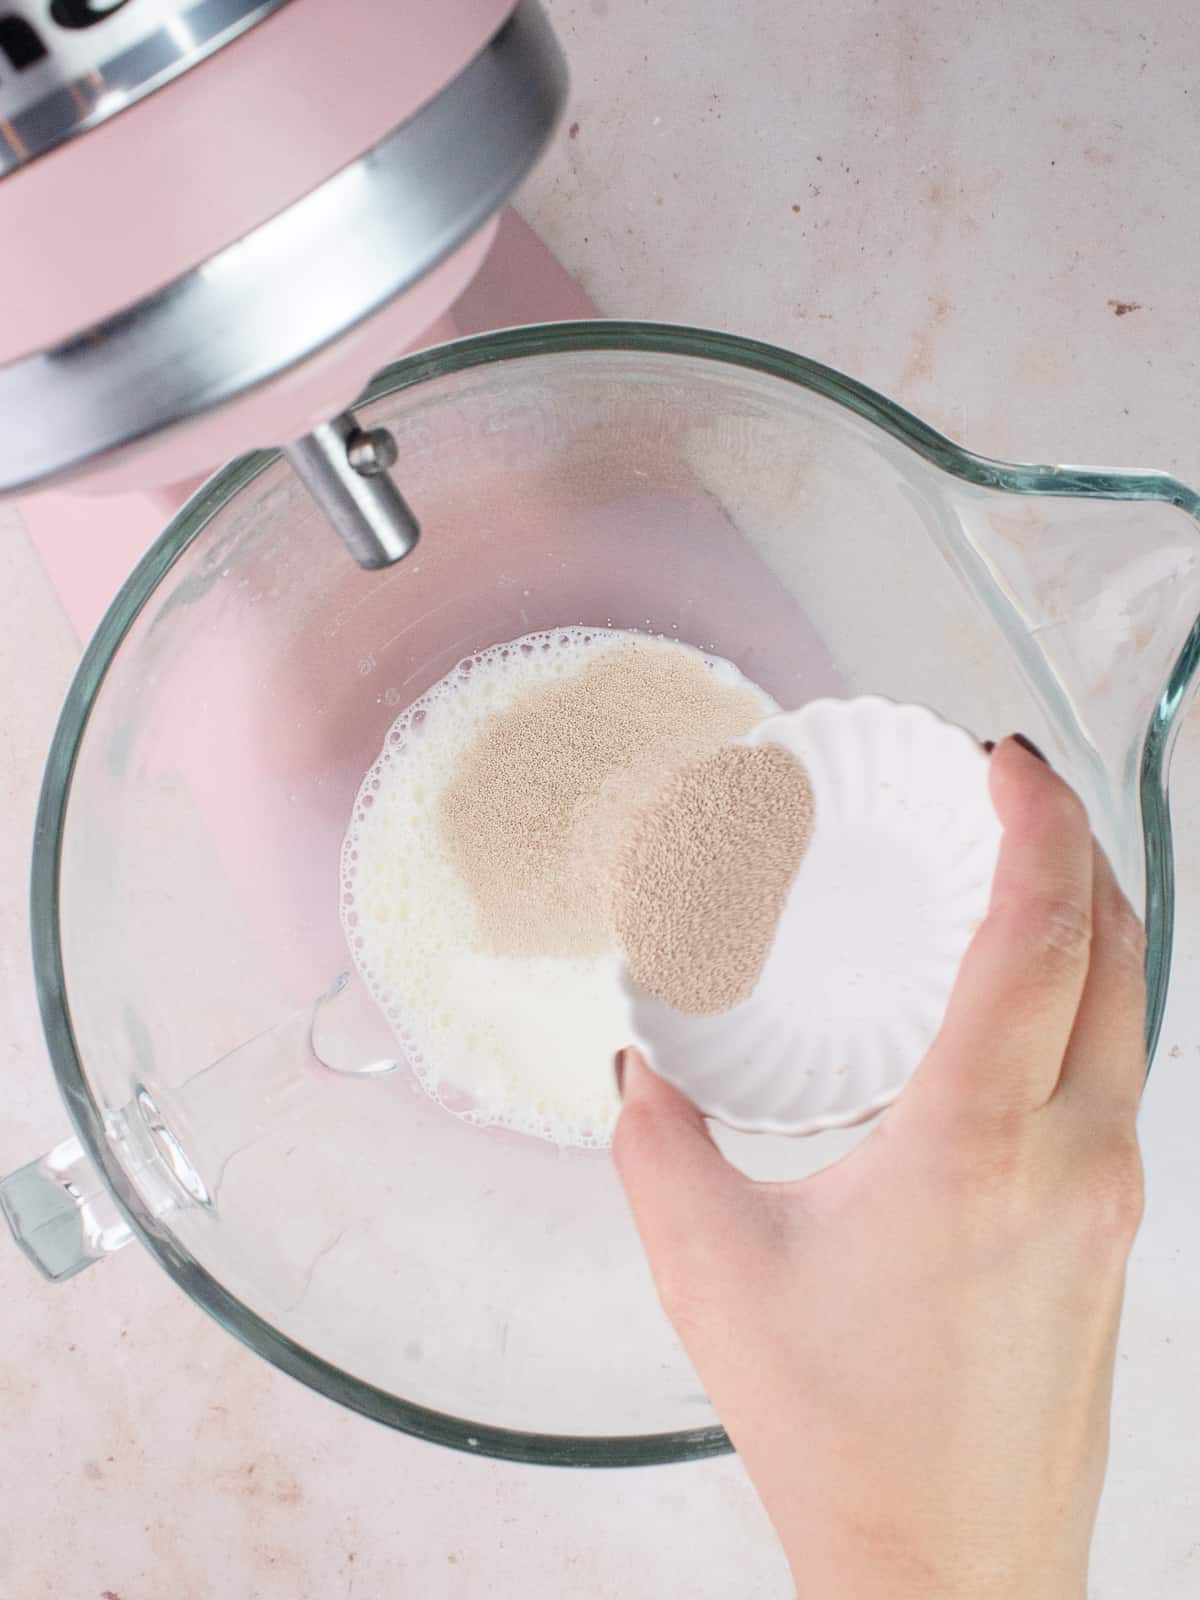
(913, 1350)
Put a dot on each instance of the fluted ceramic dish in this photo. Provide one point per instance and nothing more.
(894, 882)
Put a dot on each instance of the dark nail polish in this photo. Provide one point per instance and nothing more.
(988, 746)
(619, 1072)
(1028, 744)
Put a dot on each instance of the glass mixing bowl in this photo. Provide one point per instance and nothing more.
(479, 1288)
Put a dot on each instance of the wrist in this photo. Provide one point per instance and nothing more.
(859, 1572)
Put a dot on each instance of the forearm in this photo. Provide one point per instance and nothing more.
(890, 1567)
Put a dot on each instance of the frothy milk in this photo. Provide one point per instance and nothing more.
(518, 1041)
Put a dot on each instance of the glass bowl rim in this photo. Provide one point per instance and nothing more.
(423, 367)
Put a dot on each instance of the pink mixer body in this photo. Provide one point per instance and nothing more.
(103, 220)
(306, 121)
(89, 541)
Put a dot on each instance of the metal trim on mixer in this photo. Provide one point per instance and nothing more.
(141, 67)
(299, 281)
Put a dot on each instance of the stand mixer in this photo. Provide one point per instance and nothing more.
(271, 193)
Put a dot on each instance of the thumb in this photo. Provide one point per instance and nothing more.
(683, 1193)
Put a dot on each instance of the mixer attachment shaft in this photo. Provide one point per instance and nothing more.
(345, 469)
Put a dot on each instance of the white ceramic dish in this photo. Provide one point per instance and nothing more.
(895, 880)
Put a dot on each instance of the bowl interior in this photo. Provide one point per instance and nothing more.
(478, 1286)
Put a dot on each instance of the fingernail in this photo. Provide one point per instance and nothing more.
(988, 746)
(1028, 744)
(619, 1072)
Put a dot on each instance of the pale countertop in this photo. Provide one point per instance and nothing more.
(987, 212)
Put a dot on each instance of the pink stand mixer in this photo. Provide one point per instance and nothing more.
(273, 196)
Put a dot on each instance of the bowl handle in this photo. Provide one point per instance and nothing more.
(175, 1142)
(61, 1212)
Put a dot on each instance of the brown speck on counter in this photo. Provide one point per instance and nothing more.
(1122, 308)
(573, 131)
(920, 365)
(796, 209)
(109, 1594)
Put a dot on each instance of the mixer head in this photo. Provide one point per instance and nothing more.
(215, 212)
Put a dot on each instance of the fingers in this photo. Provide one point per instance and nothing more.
(684, 1195)
(1106, 1058)
(1014, 1005)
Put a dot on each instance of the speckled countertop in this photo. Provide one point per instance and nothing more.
(988, 212)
